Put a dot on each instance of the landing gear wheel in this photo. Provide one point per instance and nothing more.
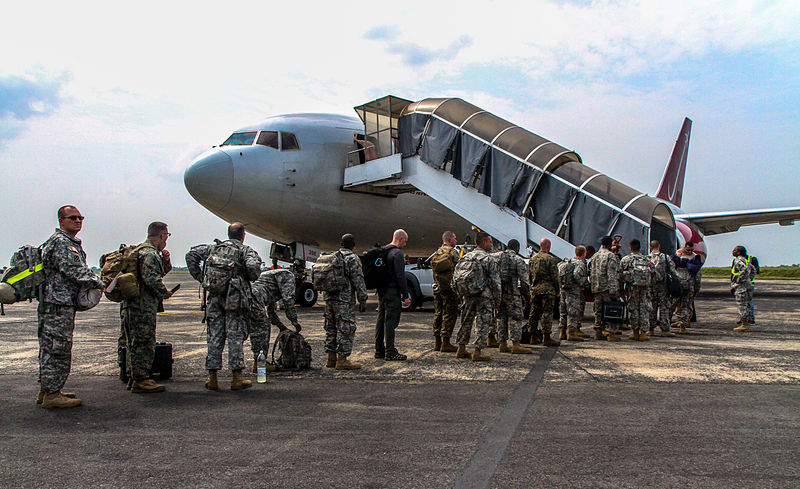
(306, 295)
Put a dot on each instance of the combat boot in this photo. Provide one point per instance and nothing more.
(437, 343)
(683, 330)
(211, 381)
(634, 335)
(503, 347)
(40, 396)
(238, 383)
(563, 334)
(598, 334)
(59, 400)
(516, 347)
(573, 336)
(667, 334)
(612, 337)
(342, 363)
(651, 332)
(548, 341)
(580, 334)
(146, 386)
(492, 341)
(447, 347)
(331, 363)
(477, 357)
(462, 352)
(624, 327)
(742, 328)
(536, 337)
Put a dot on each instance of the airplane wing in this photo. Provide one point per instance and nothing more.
(728, 221)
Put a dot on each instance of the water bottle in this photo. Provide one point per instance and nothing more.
(261, 368)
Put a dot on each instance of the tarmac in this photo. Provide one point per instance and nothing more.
(712, 409)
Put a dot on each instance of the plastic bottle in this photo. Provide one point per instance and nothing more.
(261, 368)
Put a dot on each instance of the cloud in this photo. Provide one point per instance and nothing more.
(413, 54)
(22, 98)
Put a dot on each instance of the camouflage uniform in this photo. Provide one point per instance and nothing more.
(742, 287)
(638, 296)
(544, 288)
(340, 318)
(226, 314)
(272, 286)
(604, 285)
(513, 275)
(572, 294)
(139, 315)
(686, 271)
(65, 272)
(478, 308)
(445, 301)
(659, 297)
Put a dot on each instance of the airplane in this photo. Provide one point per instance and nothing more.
(283, 178)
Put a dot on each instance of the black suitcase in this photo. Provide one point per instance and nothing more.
(162, 362)
(614, 311)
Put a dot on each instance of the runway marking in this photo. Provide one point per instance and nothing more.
(494, 443)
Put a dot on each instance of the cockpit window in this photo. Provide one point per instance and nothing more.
(268, 138)
(288, 141)
(240, 139)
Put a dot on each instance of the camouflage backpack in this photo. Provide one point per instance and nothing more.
(660, 268)
(566, 277)
(328, 274)
(294, 352)
(469, 277)
(442, 266)
(119, 273)
(221, 267)
(22, 279)
(640, 273)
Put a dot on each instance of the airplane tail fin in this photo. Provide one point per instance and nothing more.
(671, 187)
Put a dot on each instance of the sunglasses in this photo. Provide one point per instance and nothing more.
(75, 218)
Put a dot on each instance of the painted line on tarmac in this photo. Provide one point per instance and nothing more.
(494, 443)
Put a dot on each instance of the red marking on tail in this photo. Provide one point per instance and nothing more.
(671, 187)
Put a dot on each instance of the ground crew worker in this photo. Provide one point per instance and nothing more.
(572, 291)
(544, 289)
(139, 314)
(659, 297)
(637, 274)
(514, 284)
(390, 298)
(742, 286)
(445, 299)
(65, 273)
(340, 318)
(476, 309)
(687, 264)
(604, 287)
(271, 287)
(228, 303)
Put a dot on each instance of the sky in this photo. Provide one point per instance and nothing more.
(103, 105)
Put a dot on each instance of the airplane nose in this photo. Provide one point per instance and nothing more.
(209, 179)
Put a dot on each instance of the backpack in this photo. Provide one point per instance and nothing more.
(468, 277)
(220, 267)
(377, 273)
(566, 277)
(442, 266)
(328, 273)
(673, 285)
(641, 273)
(294, 352)
(119, 273)
(660, 267)
(22, 279)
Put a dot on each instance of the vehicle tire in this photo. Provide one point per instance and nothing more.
(416, 298)
(306, 295)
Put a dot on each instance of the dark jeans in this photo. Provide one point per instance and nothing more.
(389, 309)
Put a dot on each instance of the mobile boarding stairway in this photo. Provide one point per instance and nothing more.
(505, 180)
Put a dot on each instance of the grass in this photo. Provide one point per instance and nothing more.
(783, 272)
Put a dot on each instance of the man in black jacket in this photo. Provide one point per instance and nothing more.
(390, 297)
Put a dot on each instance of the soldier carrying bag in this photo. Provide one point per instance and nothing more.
(469, 278)
(328, 273)
(442, 266)
(376, 269)
(119, 273)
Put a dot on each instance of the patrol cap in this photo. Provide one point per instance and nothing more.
(88, 298)
(7, 295)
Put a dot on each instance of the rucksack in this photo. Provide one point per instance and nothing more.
(469, 277)
(328, 273)
(566, 277)
(220, 267)
(24, 275)
(673, 286)
(641, 272)
(660, 268)
(442, 266)
(377, 272)
(294, 352)
(120, 268)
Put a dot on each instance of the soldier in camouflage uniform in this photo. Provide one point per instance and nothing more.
(445, 299)
(659, 297)
(340, 318)
(226, 314)
(572, 294)
(544, 290)
(272, 286)
(637, 275)
(477, 309)
(604, 287)
(139, 315)
(687, 264)
(514, 282)
(65, 273)
(742, 273)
